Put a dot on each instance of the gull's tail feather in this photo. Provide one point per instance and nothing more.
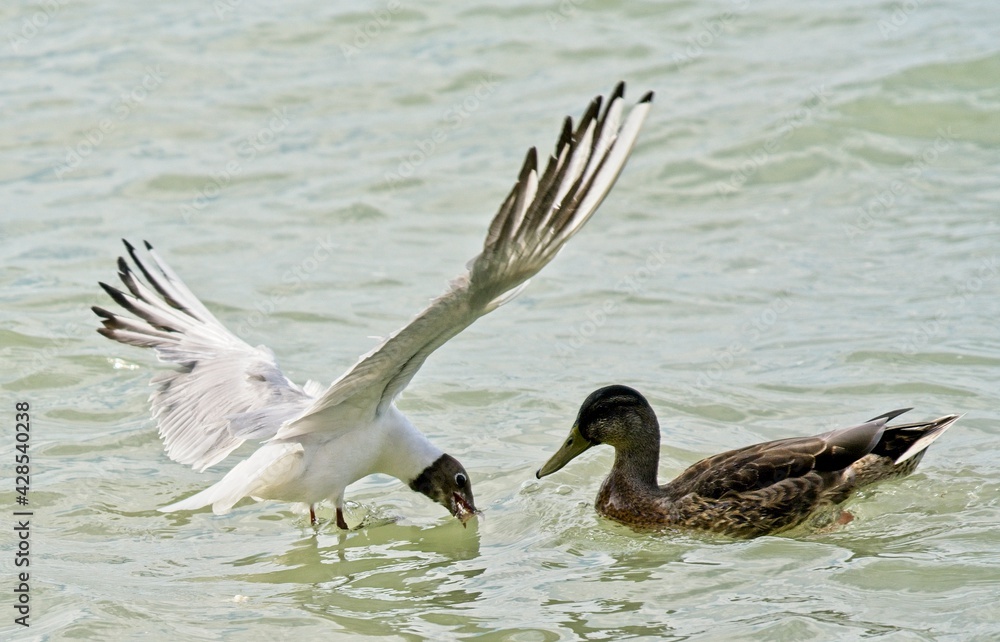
(250, 478)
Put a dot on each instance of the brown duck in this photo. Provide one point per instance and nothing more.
(758, 490)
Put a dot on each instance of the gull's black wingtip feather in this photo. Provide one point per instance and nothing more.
(592, 113)
(618, 92)
(131, 252)
(648, 98)
(565, 136)
(530, 165)
(532, 159)
(115, 294)
(148, 245)
(101, 312)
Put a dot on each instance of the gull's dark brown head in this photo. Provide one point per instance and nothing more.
(446, 482)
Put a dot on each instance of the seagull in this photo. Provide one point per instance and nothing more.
(314, 442)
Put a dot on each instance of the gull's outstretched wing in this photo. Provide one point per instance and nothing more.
(223, 392)
(541, 213)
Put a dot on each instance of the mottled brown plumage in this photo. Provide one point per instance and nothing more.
(758, 490)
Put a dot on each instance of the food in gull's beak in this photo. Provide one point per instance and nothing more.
(464, 511)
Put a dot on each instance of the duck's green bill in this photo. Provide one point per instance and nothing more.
(573, 446)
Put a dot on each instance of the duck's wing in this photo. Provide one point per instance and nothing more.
(538, 216)
(224, 390)
(771, 463)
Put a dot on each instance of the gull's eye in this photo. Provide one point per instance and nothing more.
(461, 480)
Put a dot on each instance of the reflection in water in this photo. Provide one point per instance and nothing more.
(337, 555)
(372, 580)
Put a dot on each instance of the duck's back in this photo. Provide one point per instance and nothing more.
(764, 488)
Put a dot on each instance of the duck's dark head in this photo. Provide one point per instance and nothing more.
(615, 415)
(446, 482)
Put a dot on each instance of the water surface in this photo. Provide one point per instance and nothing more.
(805, 237)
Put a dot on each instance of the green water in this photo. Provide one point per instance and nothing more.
(806, 236)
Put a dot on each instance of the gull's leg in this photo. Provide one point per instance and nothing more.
(312, 514)
(339, 503)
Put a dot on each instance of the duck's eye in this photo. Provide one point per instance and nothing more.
(461, 480)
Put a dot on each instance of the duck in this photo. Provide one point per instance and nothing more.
(763, 489)
(315, 441)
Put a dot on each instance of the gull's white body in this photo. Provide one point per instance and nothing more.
(318, 466)
(316, 442)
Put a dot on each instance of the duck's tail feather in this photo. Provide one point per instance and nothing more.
(916, 437)
(899, 450)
